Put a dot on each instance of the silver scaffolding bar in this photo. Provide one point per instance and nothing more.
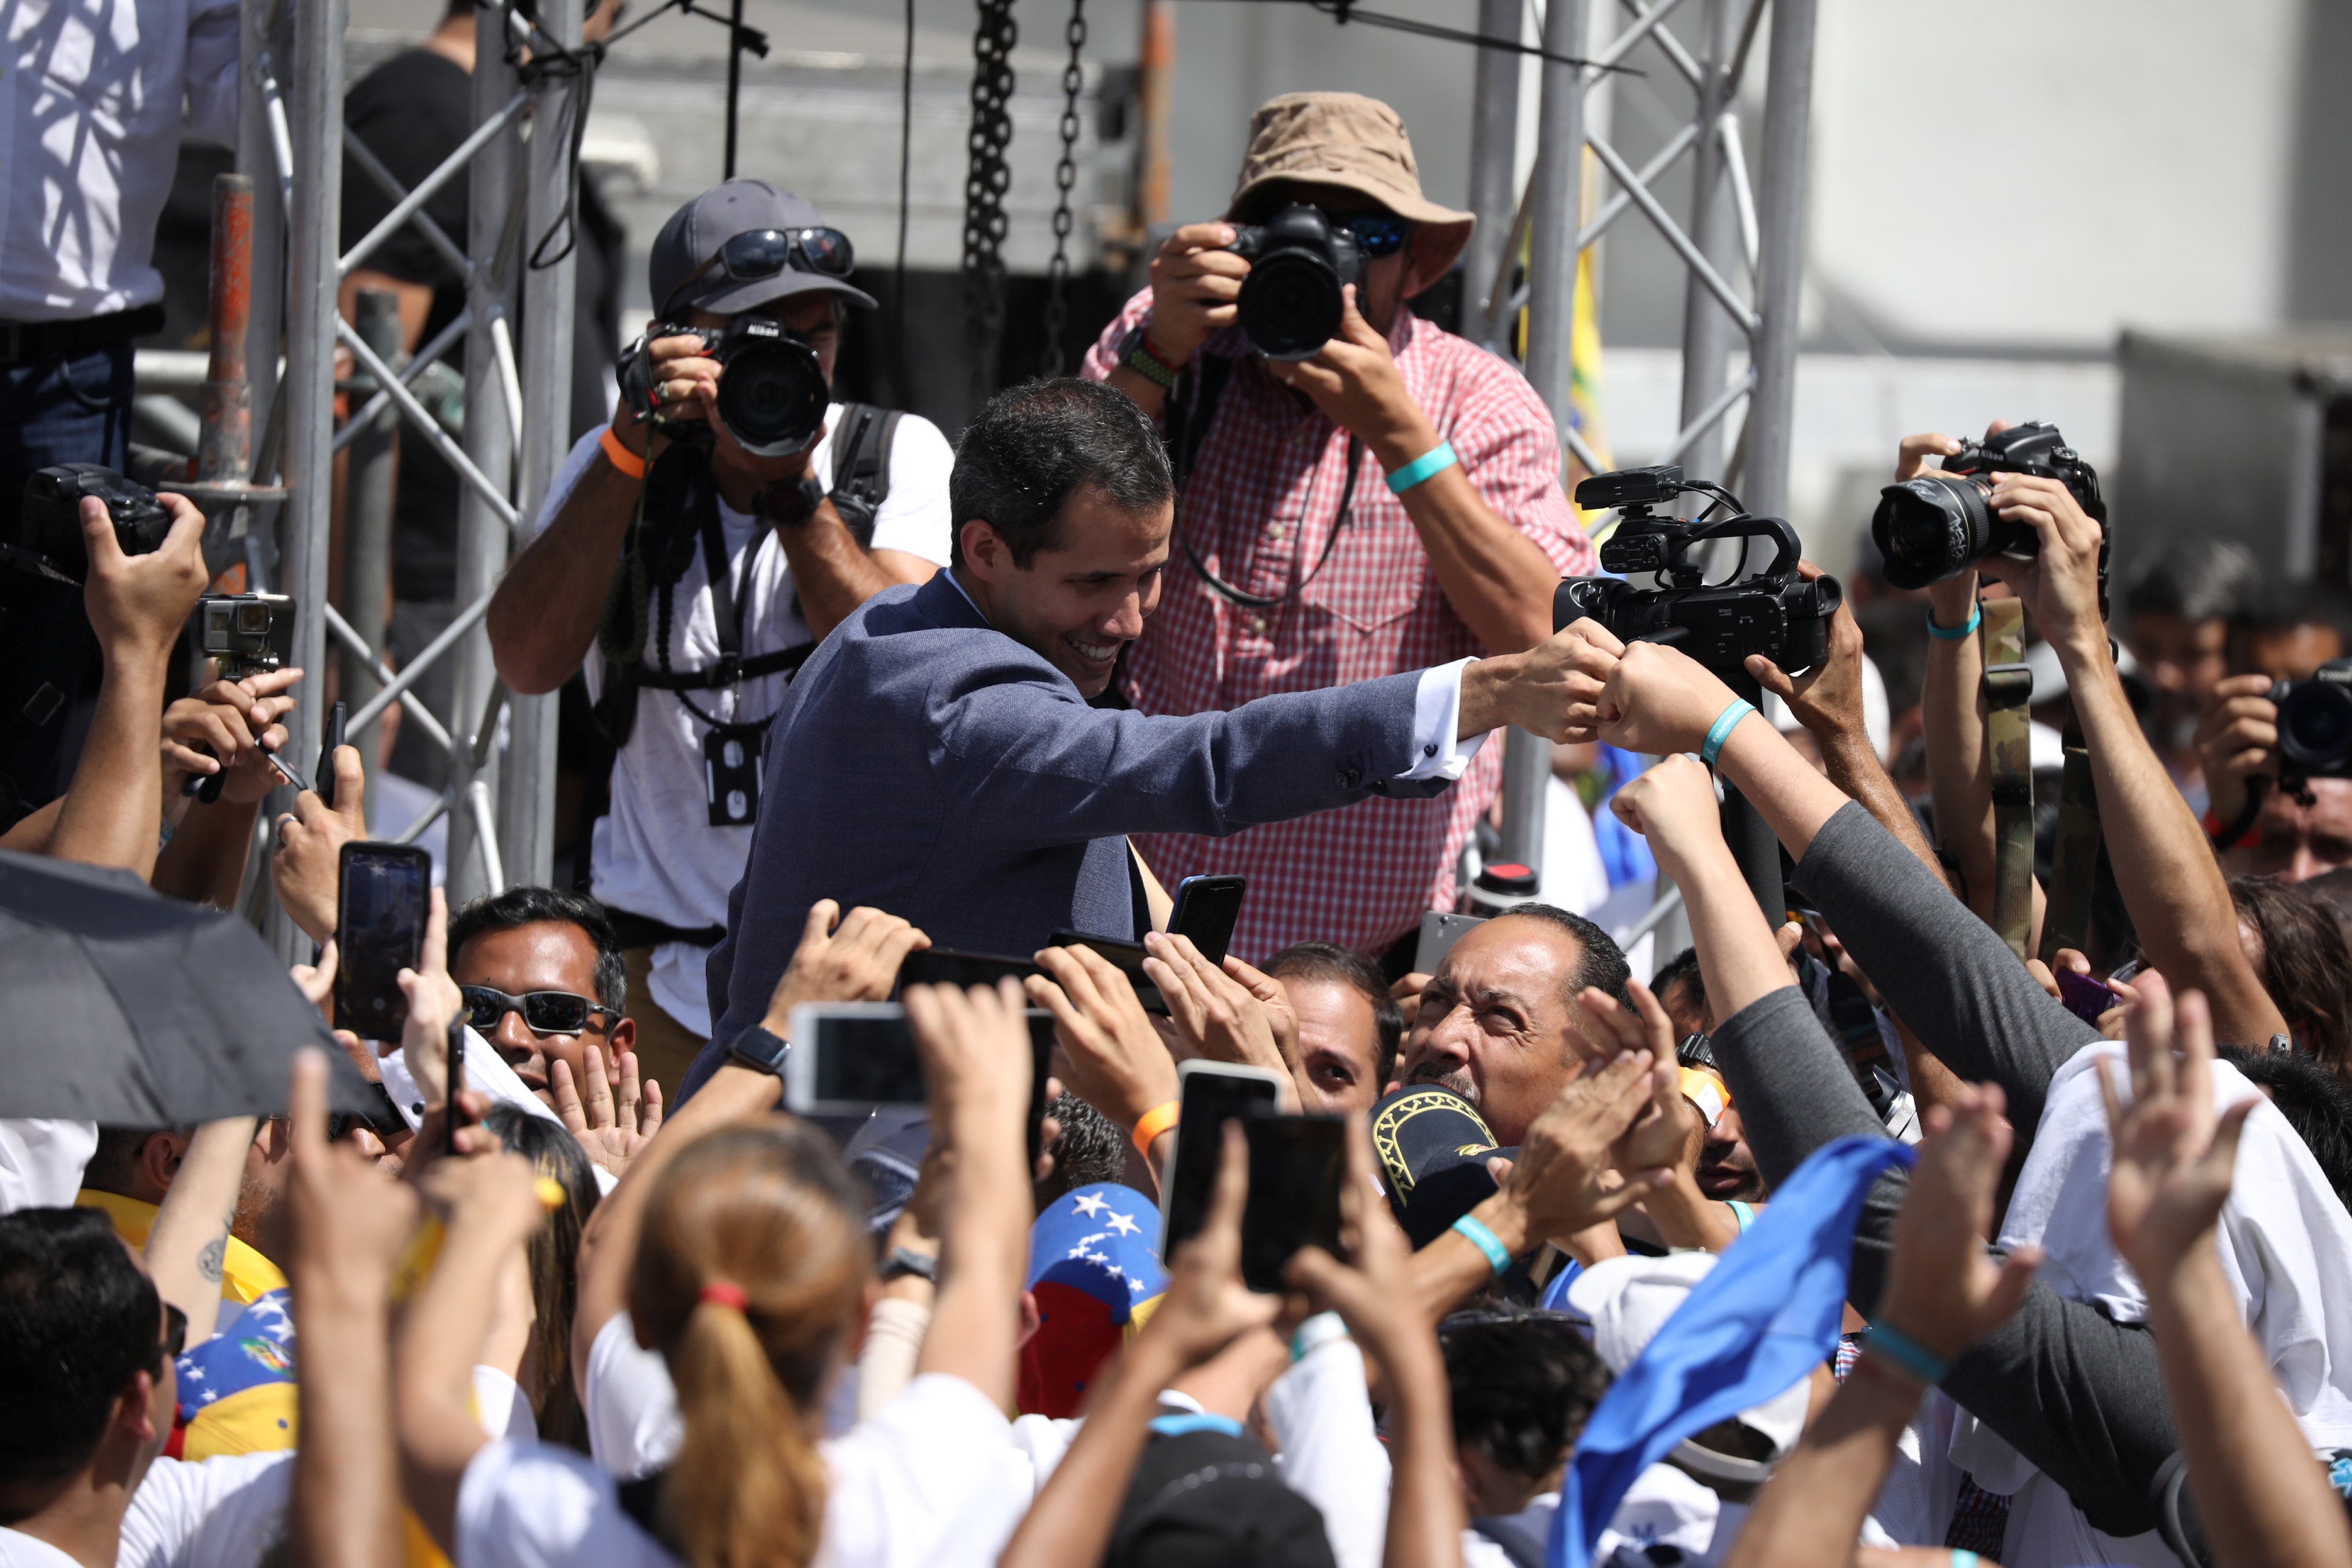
(1779, 261)
(371, 709)
(416, 712)
(309, 394)
(485, 488)
(262, 23)
(1494, 159)
(443, 341)
(1712, 234)
(484, 134)
(386, 182)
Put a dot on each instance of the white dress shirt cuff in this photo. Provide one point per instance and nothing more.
(1437, 751)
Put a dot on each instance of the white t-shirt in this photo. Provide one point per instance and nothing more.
(41, 1162)
(914, 1486)
(656, 853)
(221, 1513)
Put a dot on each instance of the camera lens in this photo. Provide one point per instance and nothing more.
(1930, 528)
(251, 619)
(1290, 305)
(2314, 724)
(772, 396)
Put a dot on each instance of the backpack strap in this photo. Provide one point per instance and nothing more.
(862, 439)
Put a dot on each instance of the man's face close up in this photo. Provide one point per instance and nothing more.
(2181, 660)
(1494, 1024)
(546, 955)
(1726, 1166)
(2295, 842)
(1084, 597)
(1339, 1045)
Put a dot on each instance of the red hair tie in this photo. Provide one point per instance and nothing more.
(720, 1294)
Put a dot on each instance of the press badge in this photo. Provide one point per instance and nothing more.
(731, 773)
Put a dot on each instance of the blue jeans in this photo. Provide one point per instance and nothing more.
(73, 410)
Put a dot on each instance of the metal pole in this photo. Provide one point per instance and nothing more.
(734, 79)
(1714, 233)
(225, 453)
(367, 529)
(1493, 148)
(527, 790)
(1551, 302)
(483, 536)
(309, 391)
(1155, 82)
(261, 31)
(1779, 262)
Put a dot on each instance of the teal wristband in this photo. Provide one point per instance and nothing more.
(1721, 731)
(1743, 1213)
(1954, 635)
(1892, 1344)
(1314, 1333)
(1963, 1558)
(1436, 460)
(1486, 1241)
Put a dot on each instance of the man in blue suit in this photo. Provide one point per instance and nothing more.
(937, 757)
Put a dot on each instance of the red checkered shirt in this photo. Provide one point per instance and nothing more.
(1258, 508)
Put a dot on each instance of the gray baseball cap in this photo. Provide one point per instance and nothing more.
(695, 232)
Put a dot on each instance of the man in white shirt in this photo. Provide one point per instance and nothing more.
(686, 678)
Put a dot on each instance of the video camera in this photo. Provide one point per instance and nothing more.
(772, 388)
(1939, 523)
(1774, 612)
(50, 520)
(1290, 303)
(246, 634)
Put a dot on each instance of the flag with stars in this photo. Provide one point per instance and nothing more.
(236, 1389)
(1095, 1279)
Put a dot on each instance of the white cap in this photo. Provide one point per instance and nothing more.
(1628, 1300)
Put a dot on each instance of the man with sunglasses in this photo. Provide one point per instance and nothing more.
(543, 980)
(650, 512)
(1298, 566)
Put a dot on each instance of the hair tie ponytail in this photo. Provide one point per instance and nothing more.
(719, 1292)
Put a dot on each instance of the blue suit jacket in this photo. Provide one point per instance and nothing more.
(932, 766)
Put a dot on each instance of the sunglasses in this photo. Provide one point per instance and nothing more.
(176, 1334)
(1378, 234)
(758, 254)
(543, 1012)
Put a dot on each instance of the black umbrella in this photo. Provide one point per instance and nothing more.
(121, 1007)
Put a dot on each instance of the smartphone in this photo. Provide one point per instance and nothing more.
(1296, 1164)
(1440, 929)
(2084, 997)
(380, 910)
(852, 1059)
(946, 966)
(453, 1119)
(329, 738)
(1209, 1095)
(1127, 956)
(1206, 909)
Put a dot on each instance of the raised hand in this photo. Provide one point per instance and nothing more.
(138, 604)
(612, 1123)
(1372, 1291)
(1672, 804)
(1942, 1291)
(318, 981)
(1558, 1177)
(1212, 1013)
(858, 963)
(1207, 1307)
(1660, 700)
(1110, 1055)
(1554, 689)
(1826, 699)
(307, 866)
(433, 1002)
(1194, 283)
(2173, 1156)
(235, 720)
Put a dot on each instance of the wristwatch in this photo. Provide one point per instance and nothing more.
(759, 1048)
(793, 505)
(906, 1260)
(1135, 353)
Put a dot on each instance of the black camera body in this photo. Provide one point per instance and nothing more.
(772, 388)
(49, 522)
(246, 634)
(1773, 612)
(2314, 725)
(1937, 524)
(1290, 304)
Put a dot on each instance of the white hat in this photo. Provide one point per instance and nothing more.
(1628, 1300)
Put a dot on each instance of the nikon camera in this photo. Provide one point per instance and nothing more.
(1290, 304)
(49, 521)
(1938, 523)
(772, 388)
(2315, 725)
(1773, 612)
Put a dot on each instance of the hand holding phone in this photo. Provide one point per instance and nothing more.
(383, 895)
(2084, 997)
(1124, 955)
(1206, 910)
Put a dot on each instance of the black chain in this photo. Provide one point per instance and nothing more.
(983, 189)
(1065, 175)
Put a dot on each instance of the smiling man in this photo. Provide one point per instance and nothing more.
(544, 981)
(1498, 1023)
(940, 757)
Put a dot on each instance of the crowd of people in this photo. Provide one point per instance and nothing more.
(1850, 1234)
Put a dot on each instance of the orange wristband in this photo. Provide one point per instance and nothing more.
(1151, 1125)
(620, 456)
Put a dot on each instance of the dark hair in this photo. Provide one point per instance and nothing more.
(2283, 606)
(554, 1261)
(2196, 577)
(1091, 1149)
(1340, 966)
(2303, 965)
(520, 906)
(1032, 447)
(1603, 967)
(77, 1317)
(1682, 969)
(2315, 1102)
(114, 1165)
(1524, 1383)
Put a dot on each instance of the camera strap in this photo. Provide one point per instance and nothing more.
(2075, 875)
(2009, 743)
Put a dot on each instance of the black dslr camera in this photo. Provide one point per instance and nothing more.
(772, 388)
(2314, 725)
(1290, 304)
(1937, 524)
(1774, 612)
(49, 523)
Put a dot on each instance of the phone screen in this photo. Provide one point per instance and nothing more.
(2083, 996)
(946, 966)
(379, 931)
(1127, 957)
(1295, 1166)
(1206, 909)
(861, 1056)
(1211, 1099)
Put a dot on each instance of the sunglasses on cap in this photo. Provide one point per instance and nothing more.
(543, 1012)
(176, 1335)
(1377, 234)
(758, 253)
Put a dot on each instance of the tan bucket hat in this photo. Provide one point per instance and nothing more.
(1345, 138)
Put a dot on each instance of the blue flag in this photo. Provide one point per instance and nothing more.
(1766, 1316)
